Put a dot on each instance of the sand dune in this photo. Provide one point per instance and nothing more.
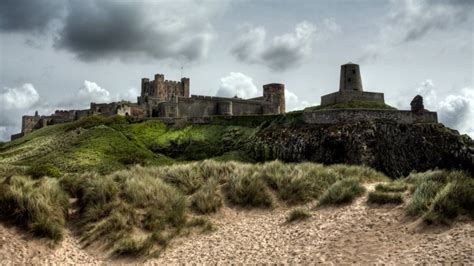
(355, 233)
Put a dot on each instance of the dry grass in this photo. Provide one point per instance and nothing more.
(38, 205)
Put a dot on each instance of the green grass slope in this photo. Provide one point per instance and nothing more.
(106, 144)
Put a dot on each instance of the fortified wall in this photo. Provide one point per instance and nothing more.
(169, 101)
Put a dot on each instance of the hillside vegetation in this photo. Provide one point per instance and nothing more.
(108, 144)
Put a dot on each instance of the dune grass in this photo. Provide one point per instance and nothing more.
(341, 192)
(38, 205)
(298, 214)
(392, 187)
(245, 188)
(207, 199)
(441, 196)
(378, 197)
(139, 210)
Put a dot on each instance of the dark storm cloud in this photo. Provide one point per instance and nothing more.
(120, 29)
(28, 15)
(281, 52)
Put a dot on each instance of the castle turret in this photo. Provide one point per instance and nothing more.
(185, 86)
(350, 78)
(275, 93)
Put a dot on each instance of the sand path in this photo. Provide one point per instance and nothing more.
(355, 233)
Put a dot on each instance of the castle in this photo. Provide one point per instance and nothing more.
(171, 100)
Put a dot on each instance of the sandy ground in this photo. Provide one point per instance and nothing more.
(355, 233)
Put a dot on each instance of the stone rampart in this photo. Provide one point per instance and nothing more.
(342, 116)
(349, 96)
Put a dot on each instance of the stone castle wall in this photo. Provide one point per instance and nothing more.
(203, 106)
(343, 116)
(349, 96)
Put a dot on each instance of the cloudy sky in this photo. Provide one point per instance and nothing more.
(64, 54)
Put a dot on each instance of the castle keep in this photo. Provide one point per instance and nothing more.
(171, 100)
(350, 88)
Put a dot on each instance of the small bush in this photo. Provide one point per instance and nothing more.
(42, 170)
(298, 214)
(245, 188)
(377, 197)
(207, 199)
(39, 205)
(343, 191)
(391, 187)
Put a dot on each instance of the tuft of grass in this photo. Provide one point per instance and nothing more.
(203, 223)
(377, 197)
(441, 196)
(207, 199)
(42, 170)
(456, 198)
(245, 188)
(132, 247)
(115, 206)
(391, 187)
(341, 192)
(298, 214)
(38, 205)
(426, 186)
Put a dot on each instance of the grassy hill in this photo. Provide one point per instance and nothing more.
(131, 188)
(107, 144)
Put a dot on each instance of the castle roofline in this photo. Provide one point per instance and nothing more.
(350, 63)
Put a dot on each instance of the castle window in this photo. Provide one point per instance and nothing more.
(353, 71)
(349, 80)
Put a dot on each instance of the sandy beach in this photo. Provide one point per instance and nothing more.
(355, 233)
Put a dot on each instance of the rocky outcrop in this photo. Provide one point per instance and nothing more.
(395, 149)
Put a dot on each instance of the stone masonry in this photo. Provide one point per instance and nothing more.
(350, 88)
(171, 101)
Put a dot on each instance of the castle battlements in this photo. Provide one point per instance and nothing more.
(170, 100)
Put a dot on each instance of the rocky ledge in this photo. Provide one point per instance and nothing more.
(393, 148)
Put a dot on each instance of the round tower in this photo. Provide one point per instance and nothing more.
(350, 78)
(275, 93)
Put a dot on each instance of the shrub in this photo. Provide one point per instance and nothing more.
(39, 205)
(298, 214)
(41, 170)
(245, 188)
(378, 197)
(391, 187)
(343, 191)
(207, 199)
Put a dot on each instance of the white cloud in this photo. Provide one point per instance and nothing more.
(293, 103)
(454, 110)
(91, 92)
(239, 84)
(14, 102)
(18, 98)
(283, 51)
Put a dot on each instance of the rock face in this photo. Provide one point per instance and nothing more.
(395, 149)
(417, 106)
